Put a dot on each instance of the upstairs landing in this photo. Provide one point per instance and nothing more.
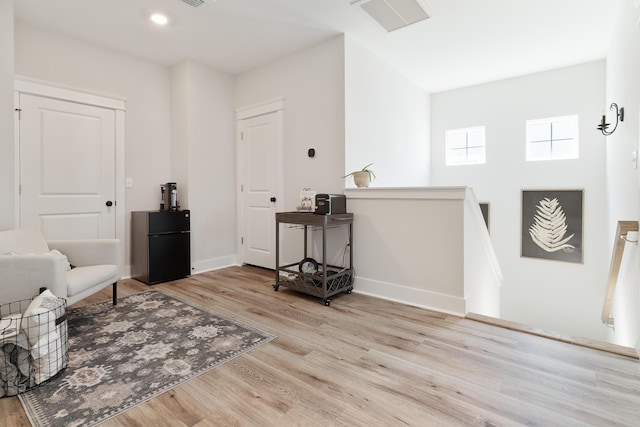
(584, 342)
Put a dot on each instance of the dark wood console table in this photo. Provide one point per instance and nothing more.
(329, 280)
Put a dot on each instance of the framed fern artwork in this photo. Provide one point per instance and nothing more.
(552, 224)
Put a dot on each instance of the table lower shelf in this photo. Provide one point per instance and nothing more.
(337, 281)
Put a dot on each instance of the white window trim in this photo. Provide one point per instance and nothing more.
(466, 131)
(576, 124)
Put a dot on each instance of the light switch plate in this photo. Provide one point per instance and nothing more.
(129, 183)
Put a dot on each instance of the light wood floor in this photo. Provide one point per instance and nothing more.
(369, 362)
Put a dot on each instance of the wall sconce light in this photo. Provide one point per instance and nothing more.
(619, 117)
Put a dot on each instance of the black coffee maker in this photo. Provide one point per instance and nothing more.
(169, 197)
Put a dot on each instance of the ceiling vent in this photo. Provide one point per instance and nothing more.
(194, 3)
(392, 14)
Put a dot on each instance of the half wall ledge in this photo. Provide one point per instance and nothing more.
(424, 246)
(427, 193)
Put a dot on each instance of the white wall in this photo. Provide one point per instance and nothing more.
(424, 246)
(312, 85)
(623, 88)
(408, 245)
(386, 121)
(179, 127)
(559, 296)
(7, 169)
(181, 109)
(146, 86)
(204, 159)
(482, 272)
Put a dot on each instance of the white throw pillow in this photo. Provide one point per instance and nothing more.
(44, 345)
(48, 341)
(55, 358)
(24, 240)
(40, 317)
(51, 252)
(57, 252)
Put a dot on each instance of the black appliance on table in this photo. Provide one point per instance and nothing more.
(160, 246)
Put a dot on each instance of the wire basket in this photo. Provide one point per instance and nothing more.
(337, 281)
(33, 342)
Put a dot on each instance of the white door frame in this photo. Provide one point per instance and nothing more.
(118, 104)
(267, 107)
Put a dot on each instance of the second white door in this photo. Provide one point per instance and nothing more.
(259, 147)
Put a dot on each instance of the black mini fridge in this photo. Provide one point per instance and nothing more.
(160, 246)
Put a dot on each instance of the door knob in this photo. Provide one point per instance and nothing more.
(109, 203)
(273, 199)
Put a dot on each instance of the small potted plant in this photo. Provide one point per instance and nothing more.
(363, 177)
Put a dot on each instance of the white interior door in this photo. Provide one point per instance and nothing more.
(67, 168)
(259, 157)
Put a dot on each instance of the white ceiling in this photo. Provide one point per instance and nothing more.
(465, 42)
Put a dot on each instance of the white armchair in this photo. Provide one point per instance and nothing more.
(28, 263)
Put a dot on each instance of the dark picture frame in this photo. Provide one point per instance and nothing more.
(484, 208)
(552, 225)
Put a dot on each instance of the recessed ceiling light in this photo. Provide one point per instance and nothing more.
(159, 18)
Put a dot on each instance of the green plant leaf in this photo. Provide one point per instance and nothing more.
(372, 175)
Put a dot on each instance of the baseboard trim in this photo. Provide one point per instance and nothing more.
(583, 342)
(213, 264)
(199, 266)
(410, 296)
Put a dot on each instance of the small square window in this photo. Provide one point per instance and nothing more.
(555, 138)
(465, 146)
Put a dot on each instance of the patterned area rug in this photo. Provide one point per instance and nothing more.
(122, 356)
